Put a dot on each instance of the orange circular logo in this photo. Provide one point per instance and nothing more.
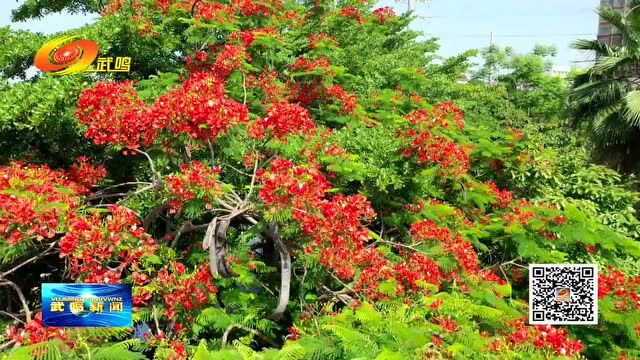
(563, 292)
(69, 58)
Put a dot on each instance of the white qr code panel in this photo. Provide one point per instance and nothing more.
(563, 294)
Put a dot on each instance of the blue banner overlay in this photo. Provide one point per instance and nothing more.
(86, 305)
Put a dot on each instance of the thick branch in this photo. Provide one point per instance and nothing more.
(273, 233)
(153, 215)
(23, 300)
(206, 244)
(13, 316)
(218, 250)
(48, 251)
(186, 227)
(7, 344)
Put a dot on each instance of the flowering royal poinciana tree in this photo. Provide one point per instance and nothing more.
(283, 198)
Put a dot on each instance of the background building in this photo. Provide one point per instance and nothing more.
(559, 70)
(606, 32)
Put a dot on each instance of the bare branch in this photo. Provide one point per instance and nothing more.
(155, 320)
(273, 233)
(212, 152)
(121, 184)
(253, 179)
(343, 284)
(13, 316)
(206, 244)
(7, 344)
(218, 250)
(30, 260)
(186, 227)
(153, 215)
(153, 168)
(23, 300)
(244, 89)
(410, 247)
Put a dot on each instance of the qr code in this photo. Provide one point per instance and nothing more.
(563, 294)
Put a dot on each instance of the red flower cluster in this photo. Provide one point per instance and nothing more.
(28, 198)
(144, 25)
(184, 291)
(431, 147)
(214, 11)
(115, 114)
(503, 197)
(452, 158)
(428, 230)
(196, 179)
(199, 108)
(85, 173)
(408, 275)
(348, 101)
(268, 82)
(179, 350)
(33, 332)
(418, 267)
(286, 185)
(336, 231)
(248, 36)
(624, 288)
(544, 336)
(383, 14)
(322, 40)
(305, 64)
(519, 213)
(258, 7)
(228, 57)
(94, 243)
(351, 12)
(442, 115)
(446, 322)
(446, 111)
(283, 118)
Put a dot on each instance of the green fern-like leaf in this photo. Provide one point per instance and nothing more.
(49, 350)
(117, 353)
(354, 343)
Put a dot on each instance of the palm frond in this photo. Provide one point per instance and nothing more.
(605, 63)
(593, 45)
(603, 91)
(617, 19)
(631, 111)
(608, 128)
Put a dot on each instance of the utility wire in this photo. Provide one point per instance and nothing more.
(510, 35)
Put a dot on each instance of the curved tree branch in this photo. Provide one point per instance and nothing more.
(154, 213)
(206, 244)
(23, 300)
(273, 234)
(230, 328)
(48, 251)
(218, 250)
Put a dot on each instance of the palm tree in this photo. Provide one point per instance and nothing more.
(607, 96)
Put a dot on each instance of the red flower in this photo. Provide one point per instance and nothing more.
(283, 118)
(436, 340)
(351, 12)
(591, 249)
(115, 114)
(383, 14)
(199, 108)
